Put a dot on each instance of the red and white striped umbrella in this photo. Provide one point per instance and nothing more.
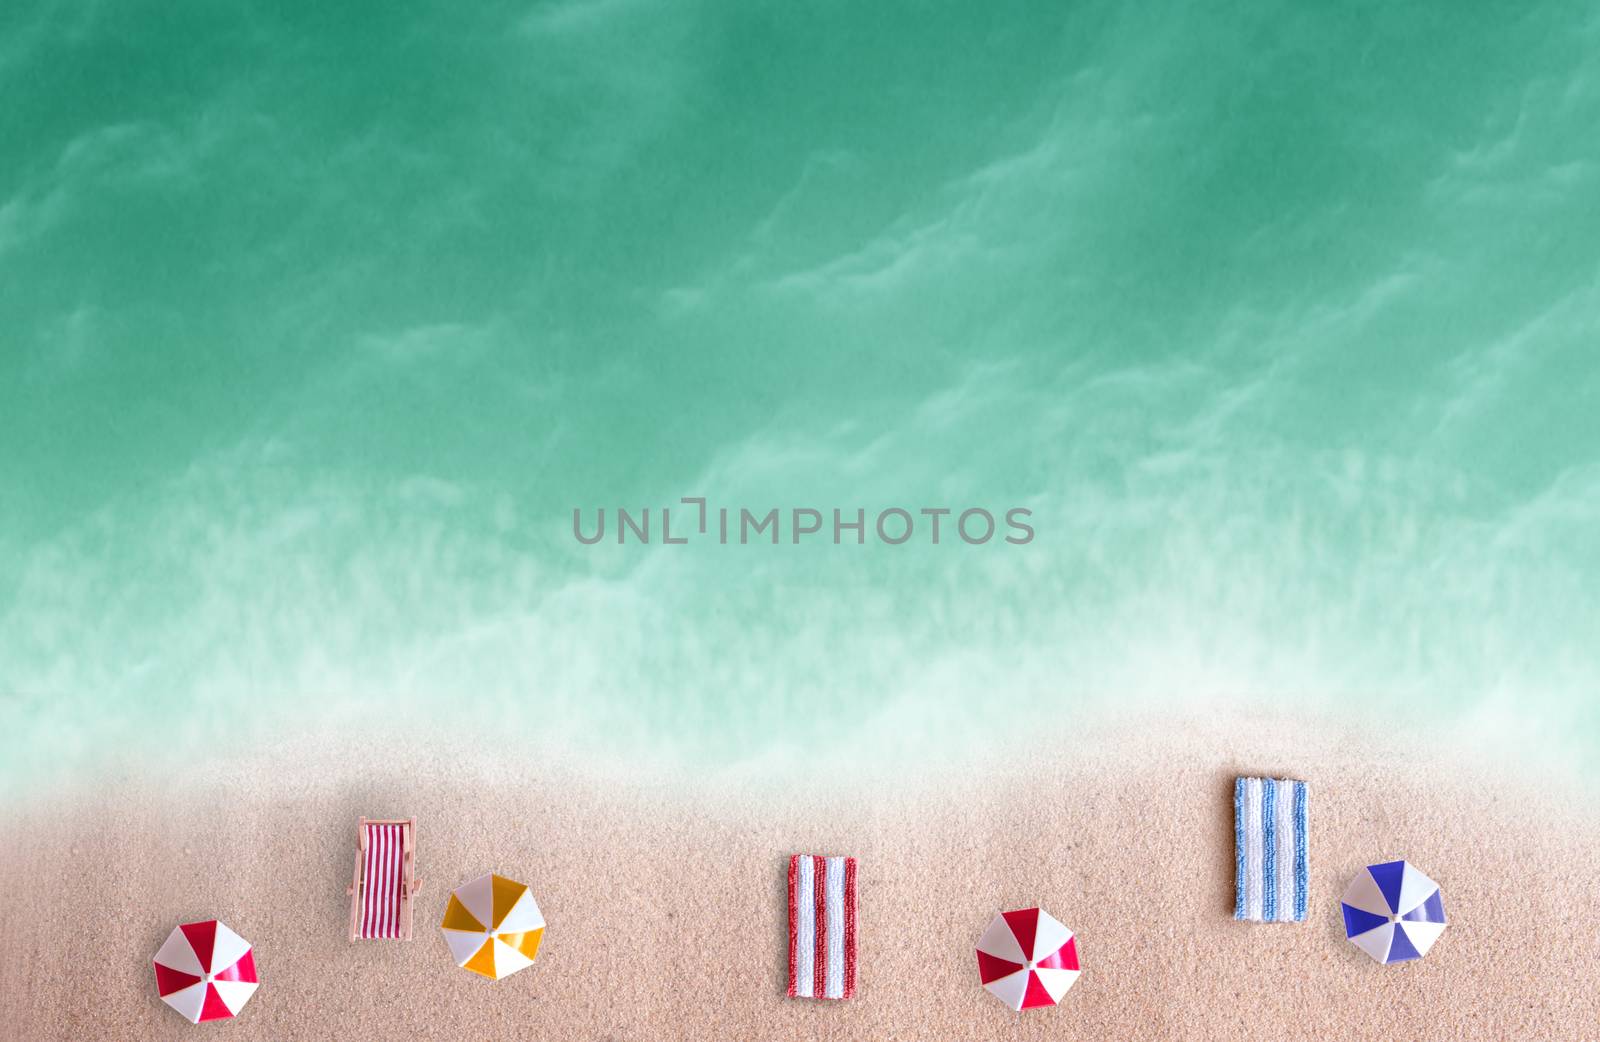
(205, 971)
(1026, 959)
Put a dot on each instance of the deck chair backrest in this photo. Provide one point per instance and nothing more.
(383, 876)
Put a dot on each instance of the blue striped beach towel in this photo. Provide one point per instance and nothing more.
(1269, 832)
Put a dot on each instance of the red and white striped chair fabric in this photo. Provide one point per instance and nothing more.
(385, 881)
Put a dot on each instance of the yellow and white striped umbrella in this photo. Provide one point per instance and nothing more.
(493, 926)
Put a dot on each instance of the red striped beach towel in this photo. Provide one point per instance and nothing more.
(822, 927)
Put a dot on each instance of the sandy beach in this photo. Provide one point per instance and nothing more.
(666, 913)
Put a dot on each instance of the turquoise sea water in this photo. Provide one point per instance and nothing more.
(316, 324)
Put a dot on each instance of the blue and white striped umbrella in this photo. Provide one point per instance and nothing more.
(1393, 912)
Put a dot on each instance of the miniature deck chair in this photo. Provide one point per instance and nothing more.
(385, 879)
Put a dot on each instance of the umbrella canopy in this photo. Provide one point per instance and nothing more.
(1393, 912)
(493, 926)
(205, 971)
(1026, 959)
